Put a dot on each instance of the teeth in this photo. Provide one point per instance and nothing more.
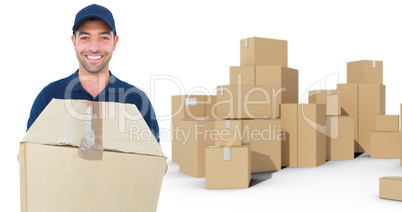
(94, 57)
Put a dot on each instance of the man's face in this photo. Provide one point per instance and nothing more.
(94, 45)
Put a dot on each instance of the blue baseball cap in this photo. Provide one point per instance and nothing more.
(94, 11)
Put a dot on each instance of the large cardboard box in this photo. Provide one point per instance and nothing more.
(264, 137)
(330, 98)
(195, 136)
(285, 82)
(229, 133)
(391, 187)
(311, 147)
(242, 75)
(348, 96)
(262, 51)
(340, 138)
(189, 107)
(289, 130)
(365, 71)
(90, 156)
(236, 102)
(228, 167)
(385, 145)
(387, 123)
(371, 104)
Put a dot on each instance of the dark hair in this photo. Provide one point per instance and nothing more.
(94, 19)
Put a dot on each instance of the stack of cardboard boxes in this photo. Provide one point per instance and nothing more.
(339, 129)
(364, 78)
(255, 124)
(245, 132)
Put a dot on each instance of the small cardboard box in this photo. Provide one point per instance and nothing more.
(242, 75)
(283, 80)
(348, 96)
(229, 133)
(311, 129)
(391, 187)
(237, 102)
(340, 138)
(264, 137)
(330, 98)
(262, 51)
(195, 136)
(228, 167)
(387, 123)
(289, 140)
(371, 103)
(385, 145)
(192, 107)
(90, 156)
(365, 71)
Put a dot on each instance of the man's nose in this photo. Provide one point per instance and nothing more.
(94, 46)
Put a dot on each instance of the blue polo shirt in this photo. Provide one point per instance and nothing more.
(115, 91)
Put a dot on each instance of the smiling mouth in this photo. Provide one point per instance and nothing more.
(93, 57)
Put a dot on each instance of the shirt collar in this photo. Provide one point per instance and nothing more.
(114, 85)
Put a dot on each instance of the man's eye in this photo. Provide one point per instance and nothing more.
(105, 38)
(84, 38)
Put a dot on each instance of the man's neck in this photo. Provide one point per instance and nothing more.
(93, 83)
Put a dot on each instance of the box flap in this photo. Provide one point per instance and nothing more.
(123, 127)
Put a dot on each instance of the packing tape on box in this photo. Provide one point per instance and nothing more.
(329, 94)
(227, 124)
(191, 101)
(373, 63)
(246, 42)
(91, 147)
(226, 153)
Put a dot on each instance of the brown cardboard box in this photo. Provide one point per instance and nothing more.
(329, 98)
(189, 107)
(121, 164)
(197, 136)
(284, 80)
(371, 104)
(192, 107)
(229, 133)
(289, 141)
(228, 167)
(385, 145)
(387, 123)
(311, 147)
(264, 137)
(235, 102)
(348, 96)
(340, 138)
(390, 188)
(262, 51)
(365, 71)
(242, 75)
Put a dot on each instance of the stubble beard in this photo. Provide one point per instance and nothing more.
(93, 69)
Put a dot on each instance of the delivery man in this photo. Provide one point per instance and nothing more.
(94, 39)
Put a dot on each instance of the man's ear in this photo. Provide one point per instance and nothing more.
(73, 39)
(116, 38)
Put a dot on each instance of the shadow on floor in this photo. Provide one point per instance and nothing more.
(257, 178)
(357, 154)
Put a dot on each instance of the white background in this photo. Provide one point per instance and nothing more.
(195, 43)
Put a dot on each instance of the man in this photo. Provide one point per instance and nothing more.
(94, 38)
